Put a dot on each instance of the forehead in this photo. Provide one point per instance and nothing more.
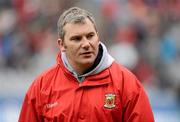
(79, 28)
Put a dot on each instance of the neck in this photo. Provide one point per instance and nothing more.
(73, 67)
(81, 69)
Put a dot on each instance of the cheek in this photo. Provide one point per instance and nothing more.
(72, 51)
(96, 46)
(97, 42)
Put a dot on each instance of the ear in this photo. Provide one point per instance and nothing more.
(61, 45)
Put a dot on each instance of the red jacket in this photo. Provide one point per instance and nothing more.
(113, 95)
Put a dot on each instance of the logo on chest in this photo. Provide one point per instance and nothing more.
(109, 101)
(51, 105)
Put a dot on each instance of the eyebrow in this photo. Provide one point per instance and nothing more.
(75, 36)
(91, 33)
(79, 35)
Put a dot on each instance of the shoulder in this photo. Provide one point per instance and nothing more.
(43, 81)
(124, 78)
(121, 72)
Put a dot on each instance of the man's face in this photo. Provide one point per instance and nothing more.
(81, 43)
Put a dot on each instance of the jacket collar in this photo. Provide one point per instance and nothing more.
(104, 62)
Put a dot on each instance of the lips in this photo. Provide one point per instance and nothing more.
(86, 53)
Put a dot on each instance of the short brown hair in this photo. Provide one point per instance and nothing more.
(73, 15)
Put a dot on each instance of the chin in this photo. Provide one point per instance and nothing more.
(87, 61)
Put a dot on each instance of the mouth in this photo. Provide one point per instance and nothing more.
(87, 54)
(84, 53)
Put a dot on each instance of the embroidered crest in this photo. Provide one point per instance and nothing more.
(110, 100)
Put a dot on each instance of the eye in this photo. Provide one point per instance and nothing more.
(76, 38)
(90, 36)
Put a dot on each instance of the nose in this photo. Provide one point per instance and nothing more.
(85, 44)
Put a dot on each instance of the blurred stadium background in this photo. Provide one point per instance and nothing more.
(143, 35)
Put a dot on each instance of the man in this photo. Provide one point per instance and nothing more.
(86, 84)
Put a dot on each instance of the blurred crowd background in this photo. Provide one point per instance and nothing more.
(143, 35)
